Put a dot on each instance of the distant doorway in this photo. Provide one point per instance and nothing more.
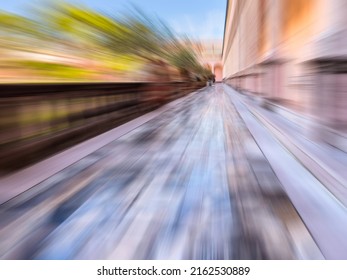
(218, 71)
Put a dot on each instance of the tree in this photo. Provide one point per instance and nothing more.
(135, 34)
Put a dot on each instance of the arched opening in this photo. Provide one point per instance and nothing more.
(218, 71)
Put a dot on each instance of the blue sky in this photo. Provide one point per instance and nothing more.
(200, 19)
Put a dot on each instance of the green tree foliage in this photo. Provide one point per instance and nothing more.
(134, 34)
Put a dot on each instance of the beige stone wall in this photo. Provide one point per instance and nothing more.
(280, 49)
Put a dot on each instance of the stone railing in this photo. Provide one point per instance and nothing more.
(37, 120)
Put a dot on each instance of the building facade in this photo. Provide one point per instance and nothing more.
(293, 52)
(210, 54)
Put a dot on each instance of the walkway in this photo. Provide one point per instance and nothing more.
(191, 183)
